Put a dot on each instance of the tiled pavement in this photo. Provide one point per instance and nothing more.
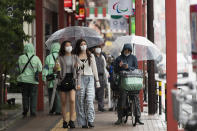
(105, 122)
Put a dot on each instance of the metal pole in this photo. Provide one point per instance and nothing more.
(160, 100)
(171, 59)
(165, 102)
(152, 98)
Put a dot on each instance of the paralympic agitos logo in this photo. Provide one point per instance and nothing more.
(116, 7)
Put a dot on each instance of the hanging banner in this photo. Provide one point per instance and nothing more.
(81, 2)
(193, 24)
(67, 3)
(118, 24)
(120, 7)
(82, 12)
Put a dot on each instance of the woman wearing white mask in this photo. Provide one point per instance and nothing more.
(69, 81)
(86, 94)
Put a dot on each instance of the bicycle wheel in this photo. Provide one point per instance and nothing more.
(132, 111)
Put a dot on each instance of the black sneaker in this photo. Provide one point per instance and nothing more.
(84, 126)
(102, 110)
(51, 112)
(57, 113)
(111, 109)
(71, 124)
(24, 115)
(33, 115)
(118, 122)
(65, 124)
(91, 124)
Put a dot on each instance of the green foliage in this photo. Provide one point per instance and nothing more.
(11, 30)
(12, 15)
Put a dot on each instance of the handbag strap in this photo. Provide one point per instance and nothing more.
(53, 57)
(30, 62)
(27, 63)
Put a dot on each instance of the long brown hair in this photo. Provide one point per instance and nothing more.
(62, 48)
(77, 50)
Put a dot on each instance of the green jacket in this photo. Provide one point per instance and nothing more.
(50, 63)
(28, 76)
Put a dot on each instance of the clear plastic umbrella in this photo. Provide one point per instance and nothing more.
(73, 33)
(142, 47)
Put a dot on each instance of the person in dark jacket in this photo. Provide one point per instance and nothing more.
(127, 62)
(101, 68)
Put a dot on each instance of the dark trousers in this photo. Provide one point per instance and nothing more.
(100, 92)
(29, 97)
(122, 104)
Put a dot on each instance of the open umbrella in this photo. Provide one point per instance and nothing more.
(73, 33)
(142, 47)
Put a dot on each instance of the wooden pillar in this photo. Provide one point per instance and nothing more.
(138, 22)
(61, 16)
(39, 50)
(67, 19)
(171, 56)
(72, 19)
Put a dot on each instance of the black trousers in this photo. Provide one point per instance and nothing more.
(122, 104)
(29, 97)
(100, 92)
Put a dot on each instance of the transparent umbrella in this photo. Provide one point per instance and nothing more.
(142, 47)
(73, 33)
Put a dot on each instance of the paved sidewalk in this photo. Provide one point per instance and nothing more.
(105, 122)
(43, 121)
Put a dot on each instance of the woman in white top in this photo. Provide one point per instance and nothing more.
(86, 94)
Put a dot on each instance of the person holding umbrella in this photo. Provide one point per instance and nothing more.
(86, 94)
(126, 62)
(48, 77)
(69, 80)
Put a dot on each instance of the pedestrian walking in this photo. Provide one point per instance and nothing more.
(29, 67)
(69, 81)
(101, 68)
(49, 77)
(86, 94)
(126, 62)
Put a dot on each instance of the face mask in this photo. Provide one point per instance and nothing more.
(83, 47)
(98, 50)
(127, 54)
(68, 49)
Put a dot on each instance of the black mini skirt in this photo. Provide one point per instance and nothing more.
(67, 84)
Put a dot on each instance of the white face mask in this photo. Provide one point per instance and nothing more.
(68, 49)
(83, 47)
(98, 50)
(127, 54)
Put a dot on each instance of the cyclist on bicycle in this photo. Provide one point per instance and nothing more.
(126, 62)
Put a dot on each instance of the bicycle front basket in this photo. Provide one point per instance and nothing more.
(132, 80)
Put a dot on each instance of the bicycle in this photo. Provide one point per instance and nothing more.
(130, 106)
(131, 82)
(180, 98)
